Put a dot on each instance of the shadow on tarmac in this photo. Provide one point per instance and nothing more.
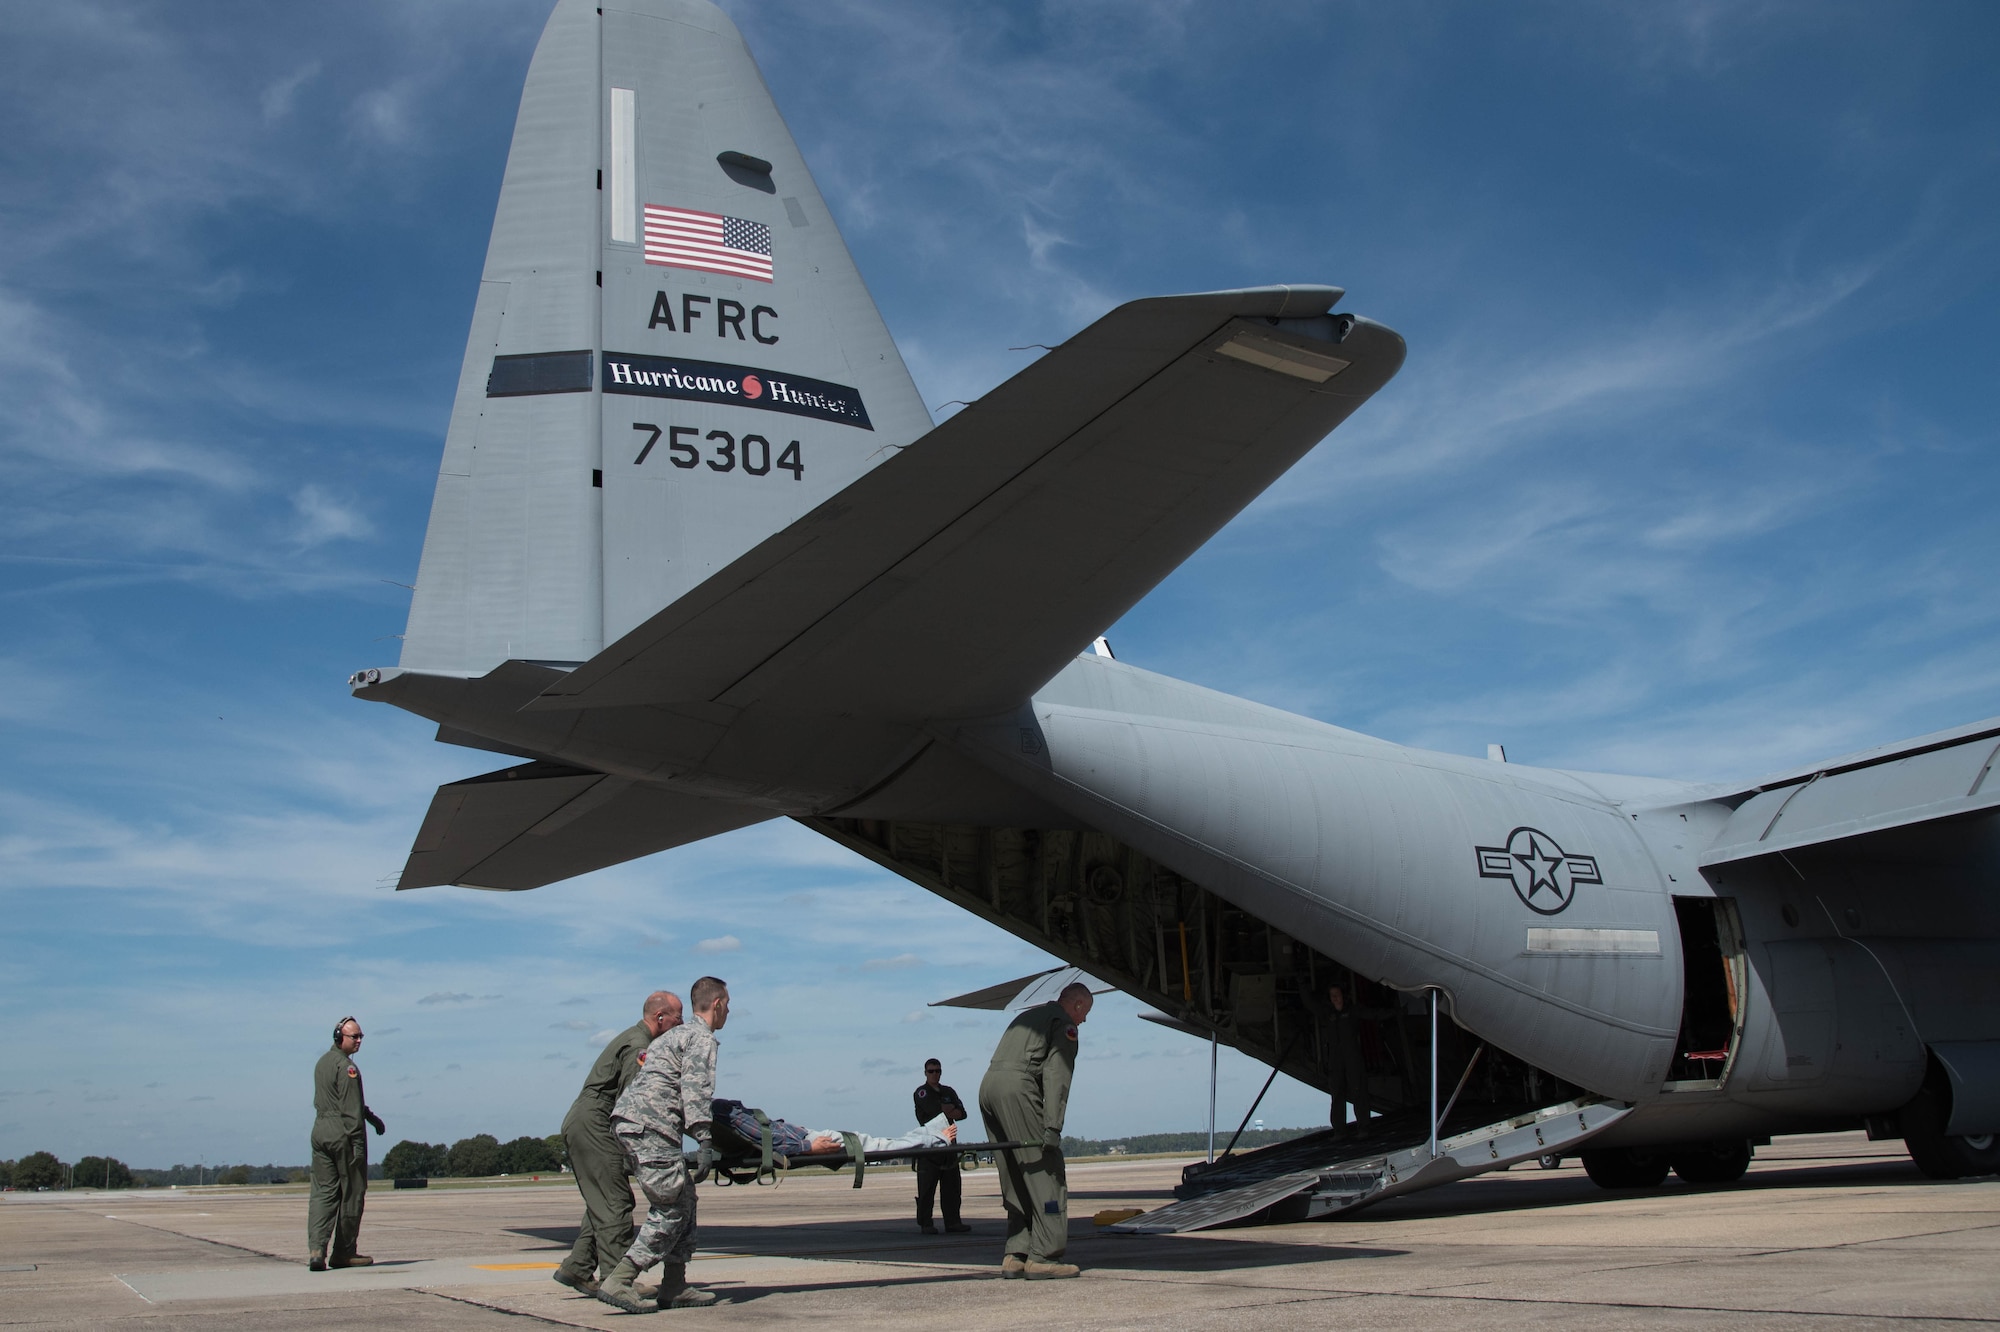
(975, 1257)
(1528, 1191)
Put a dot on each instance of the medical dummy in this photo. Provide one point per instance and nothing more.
(788, 1139)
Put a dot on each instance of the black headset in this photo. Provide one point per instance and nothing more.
(338, 1036)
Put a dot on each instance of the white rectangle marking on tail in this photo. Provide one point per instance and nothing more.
(624, 166)
(1546, 940)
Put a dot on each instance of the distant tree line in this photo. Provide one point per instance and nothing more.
(36, 1170)
(44, 1170)
(483, 1155)
(480, 1155)
(1143, 1143)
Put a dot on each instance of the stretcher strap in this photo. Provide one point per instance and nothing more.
(860, 1157)
(764, 1166)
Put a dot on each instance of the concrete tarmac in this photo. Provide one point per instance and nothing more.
(1826, 1232)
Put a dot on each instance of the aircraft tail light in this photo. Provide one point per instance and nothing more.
(1314, 367)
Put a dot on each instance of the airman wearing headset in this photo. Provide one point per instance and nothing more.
(339, 1154)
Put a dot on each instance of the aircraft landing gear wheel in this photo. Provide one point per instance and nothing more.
(1626, 1168)
(1713, 1163)
(1937, 1153)
(1551, 1162)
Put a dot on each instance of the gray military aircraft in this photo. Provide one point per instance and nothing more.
(700, 557)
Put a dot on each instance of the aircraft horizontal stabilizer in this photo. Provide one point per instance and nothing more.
(960, 575)
(1945, 777)
(1026, 992)
(526, 826)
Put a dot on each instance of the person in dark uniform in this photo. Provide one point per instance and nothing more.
(339, 1154)
(938, 1174)
(595, 1159)
(1023, 1098)
(1347, 1070)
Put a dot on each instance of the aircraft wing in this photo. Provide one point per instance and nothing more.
(526, 826)
(1932, 779)
(957, 577)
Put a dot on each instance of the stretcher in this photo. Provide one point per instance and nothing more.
(743, 1161)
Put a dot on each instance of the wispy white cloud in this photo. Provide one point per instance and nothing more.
(323, 518)
(279, 95)
(900, 962)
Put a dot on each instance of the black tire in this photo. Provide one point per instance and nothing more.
(1937, 1153)
(1551, 1162)
(1626, 1168)
(1713, 1163)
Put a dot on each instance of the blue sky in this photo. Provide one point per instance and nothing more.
(1690, 472)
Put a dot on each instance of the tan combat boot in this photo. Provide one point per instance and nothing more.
(1013, 1267)
(1038, 1270)
(676, 1293)
(616, 1289)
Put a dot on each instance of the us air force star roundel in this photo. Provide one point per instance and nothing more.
(1543, 874)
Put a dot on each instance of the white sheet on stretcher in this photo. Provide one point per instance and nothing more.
(929, 1134)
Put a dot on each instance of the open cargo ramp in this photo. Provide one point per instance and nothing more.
(1273, 1185)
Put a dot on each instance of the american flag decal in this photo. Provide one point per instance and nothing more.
(708, 242)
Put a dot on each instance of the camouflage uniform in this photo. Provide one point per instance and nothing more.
(339, 1156)
(670, 1097)
(596, 1160)
(1023, 1099)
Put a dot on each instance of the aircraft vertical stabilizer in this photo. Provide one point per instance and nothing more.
(672, 355)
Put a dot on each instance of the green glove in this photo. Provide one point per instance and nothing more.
(705, 1159)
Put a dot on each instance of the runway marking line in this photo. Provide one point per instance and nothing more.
(516, 1267)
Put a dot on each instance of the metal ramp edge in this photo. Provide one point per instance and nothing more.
(1342, 1186)
(1217, 1209)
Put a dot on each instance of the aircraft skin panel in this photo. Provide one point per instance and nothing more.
(674, 519)
(548, 537)
(1952, 735)
(511, 560)
(969, 568)
(1949, 987)
(1093, 683)
(1348, 843)
(1955, 781)
(528, 826)
(1377, 862)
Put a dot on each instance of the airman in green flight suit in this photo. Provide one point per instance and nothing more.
(1023, 1098)
(596, 1160)
(339, 1154)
